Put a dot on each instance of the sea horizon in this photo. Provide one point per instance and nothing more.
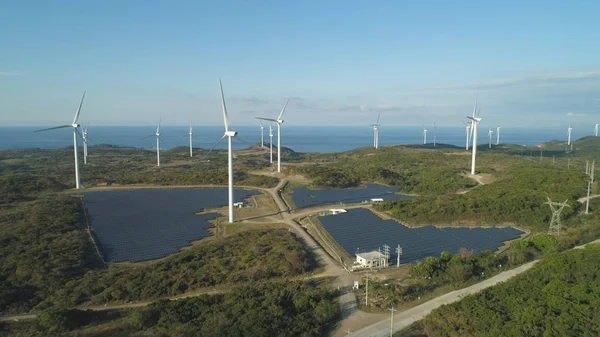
(297, 138)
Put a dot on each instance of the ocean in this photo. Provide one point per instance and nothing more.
(298, 138)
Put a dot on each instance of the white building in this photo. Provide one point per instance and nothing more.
(337, 211)
(373, 259)
(376, 200)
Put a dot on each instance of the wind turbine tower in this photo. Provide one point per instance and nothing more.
(475, 120)
(158, 144)
(191, 147)
(85, 149)
(569, 131)
(424, 136)
(75, 127)
(279, 121)
(596, 129)
(376, 132)
(262, 135)
(229, 134)
(467, 133)
(490, 132)
(271, 141)
(498, 134)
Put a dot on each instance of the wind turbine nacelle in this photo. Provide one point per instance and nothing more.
(75, 125)
(230, 133)
(280, 121)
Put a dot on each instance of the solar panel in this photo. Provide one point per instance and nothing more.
(304, 197)
(146, 224)
(362, 229)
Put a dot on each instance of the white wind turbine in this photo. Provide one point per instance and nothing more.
(158, 140)
(596, 129)
(230, 135)
(191, 146)
(85, 149)
(75, 127)
(474, 122)
(262, 135)
(376, 132)
(279, 121)
(490, 132)
(498, 134)
(467, 134)
(424, 136)
(271, 141)
(569, 131)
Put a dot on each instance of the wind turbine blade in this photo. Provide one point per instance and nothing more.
(80, 135)
(267, 119)
(378, 116)
(56, 127)
(225, 119)
(213, 147)
(149, 136)
(158, 127)
(283, 110)
(475, 107)
(242, 140)
(78, 110)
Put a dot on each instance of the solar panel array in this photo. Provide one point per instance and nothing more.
(146, 224)
(361, 229)
(304, 197)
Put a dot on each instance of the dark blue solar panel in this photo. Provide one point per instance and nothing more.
(360, 228)
(304, 197)
(146, 224)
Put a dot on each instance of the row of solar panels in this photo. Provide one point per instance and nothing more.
(304, 197)
(146, 224)
(360, 229)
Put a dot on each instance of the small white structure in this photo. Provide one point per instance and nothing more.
(376, 200)
(355, 285)
(337, 211)
(373, 259)
(239, 204)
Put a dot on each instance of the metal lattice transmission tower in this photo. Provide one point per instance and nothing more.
(557, 208)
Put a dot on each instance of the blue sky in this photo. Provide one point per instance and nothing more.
(530, 62)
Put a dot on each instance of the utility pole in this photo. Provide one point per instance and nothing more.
(592, 171)
(587, 204)
(386, 253)
(398, 253)
(367, 291)
(392, 321)
(556, 208)
(587, 167)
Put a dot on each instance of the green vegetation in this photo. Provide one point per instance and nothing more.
(412, 171)
(42, 246)
(292, 308)
(559, 296)
(244, 257)
(518, 198)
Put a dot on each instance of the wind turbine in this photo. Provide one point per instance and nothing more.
(85, 151)
(157, 135)
(467, 134)
(229, 134)
(490, 132)
(474, 122)
(271, 141)
(498, 134)
(191, 147)
(569, 131)
(596, 129)
(262, 135)
(75, 127)
(279, 121)
(424, 136)
(376, 132)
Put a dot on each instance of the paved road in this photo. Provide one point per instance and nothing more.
(404, 319)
